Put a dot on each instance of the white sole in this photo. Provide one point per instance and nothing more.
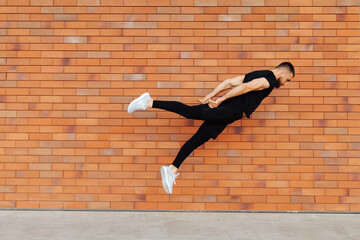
(164, 180)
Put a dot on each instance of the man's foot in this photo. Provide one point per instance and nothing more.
(168, 178)
(139, 103)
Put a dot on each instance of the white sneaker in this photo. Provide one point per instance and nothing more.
(139, 103)
(168, 178)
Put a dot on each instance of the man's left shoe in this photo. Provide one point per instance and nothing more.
(168, 178)
(139, 103)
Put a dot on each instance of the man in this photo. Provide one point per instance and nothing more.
(245, 95)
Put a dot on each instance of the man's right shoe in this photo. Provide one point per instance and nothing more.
(139, 103)
(168, 178)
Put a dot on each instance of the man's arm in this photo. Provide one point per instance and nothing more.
(228, 83)
(254, 85)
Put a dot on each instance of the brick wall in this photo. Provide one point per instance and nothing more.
(69, 68)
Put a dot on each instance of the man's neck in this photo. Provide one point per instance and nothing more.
(276, 72)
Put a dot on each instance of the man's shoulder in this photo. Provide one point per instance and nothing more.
(269, 75)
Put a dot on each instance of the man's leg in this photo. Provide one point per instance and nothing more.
(189, 112)
(206, 131)
(223, 113)
(145, 102)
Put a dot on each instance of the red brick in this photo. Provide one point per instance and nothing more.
(301, 141)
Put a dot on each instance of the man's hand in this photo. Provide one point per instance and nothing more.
(211, 103)
(215, 104)
(204, 100)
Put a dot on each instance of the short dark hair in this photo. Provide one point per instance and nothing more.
(288, 66)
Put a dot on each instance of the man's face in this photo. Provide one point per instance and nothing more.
(285, 77)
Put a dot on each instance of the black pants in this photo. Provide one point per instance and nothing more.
(215, 121)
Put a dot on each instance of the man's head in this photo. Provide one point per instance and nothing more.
(284, 73)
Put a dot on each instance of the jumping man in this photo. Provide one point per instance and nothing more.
(245, 95)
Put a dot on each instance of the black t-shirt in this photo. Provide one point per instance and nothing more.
(248, 102)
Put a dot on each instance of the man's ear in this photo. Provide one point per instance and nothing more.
(282, 73)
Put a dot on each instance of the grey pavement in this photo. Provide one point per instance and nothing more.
(104, 225)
